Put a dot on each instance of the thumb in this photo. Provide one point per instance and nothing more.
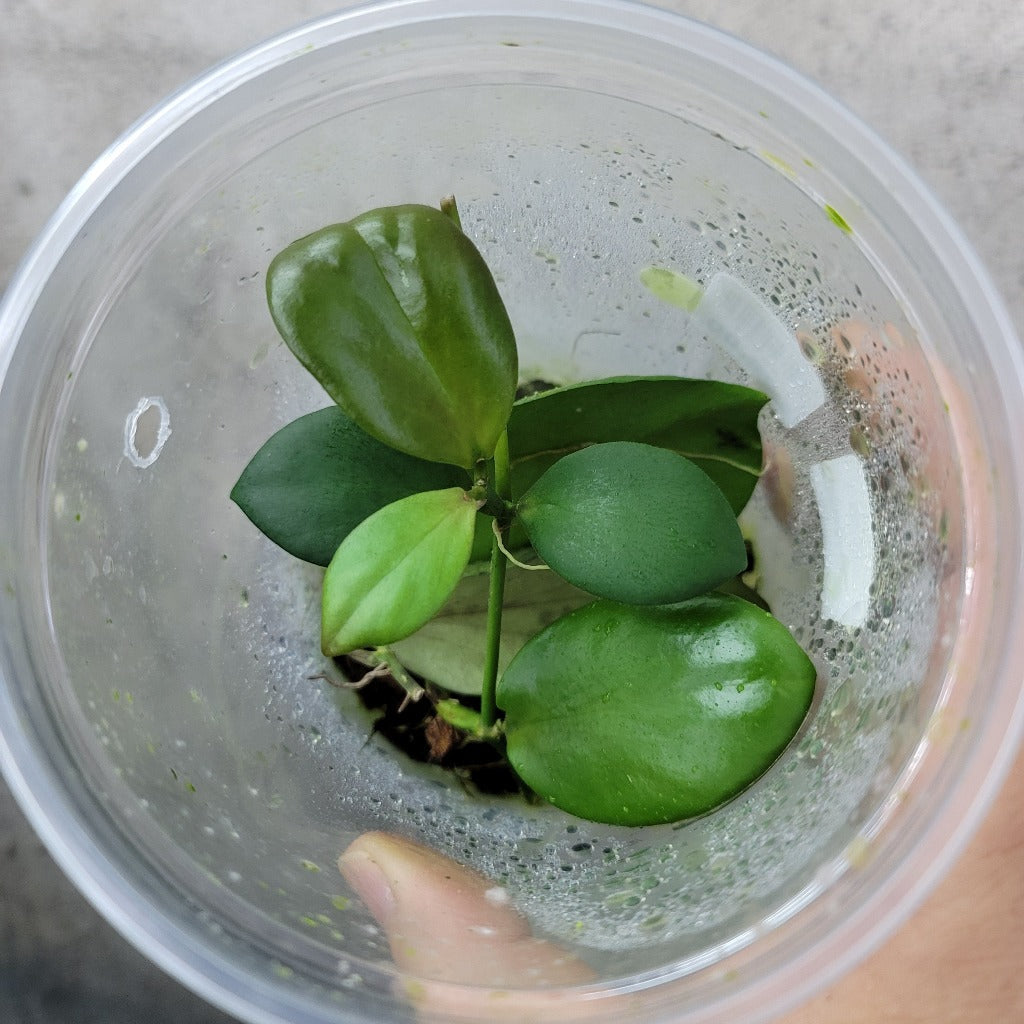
(449, 925)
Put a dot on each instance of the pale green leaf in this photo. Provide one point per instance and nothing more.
(396, 569)
(449, 649)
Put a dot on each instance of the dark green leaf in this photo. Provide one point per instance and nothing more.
(449, 649)
(320, 476)
(395, 570)
(638, 716)
(633, 523)
(396, 314)
(712, 423)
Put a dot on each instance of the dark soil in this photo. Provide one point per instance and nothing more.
(414, 727)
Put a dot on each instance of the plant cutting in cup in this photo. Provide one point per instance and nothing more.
(588, 532)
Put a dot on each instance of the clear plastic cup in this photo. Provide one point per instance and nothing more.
(159, 721)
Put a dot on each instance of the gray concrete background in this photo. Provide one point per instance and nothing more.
(943, 81)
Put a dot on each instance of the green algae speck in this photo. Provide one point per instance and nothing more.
(838, 219)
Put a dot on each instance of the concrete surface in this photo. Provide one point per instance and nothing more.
(943, 81)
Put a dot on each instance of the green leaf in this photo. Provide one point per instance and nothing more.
(396, 569)
(396, 314)
(639, 716)
(449, 649)
(317, 478)
(633, 523)
(712, 423)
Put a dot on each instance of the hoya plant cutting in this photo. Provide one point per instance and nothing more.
(559, 569)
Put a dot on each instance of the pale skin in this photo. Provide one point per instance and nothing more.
(956, 961)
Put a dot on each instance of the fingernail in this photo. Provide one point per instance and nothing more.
(370, 882)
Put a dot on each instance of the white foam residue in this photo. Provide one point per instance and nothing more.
(145, 459)
(731, 316)
(498, 895)
(844, 506)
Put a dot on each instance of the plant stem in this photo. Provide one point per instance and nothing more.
(496, 591)
(381, 661)
(495, 599)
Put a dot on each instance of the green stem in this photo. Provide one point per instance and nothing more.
(379, 660)
(413, 690)
(496, 592)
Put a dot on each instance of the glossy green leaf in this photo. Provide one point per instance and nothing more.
(639, 716)
(449, 649)
(712, 423)
(396, 314)
(396, 569)
(633, 523)
(320, 476)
